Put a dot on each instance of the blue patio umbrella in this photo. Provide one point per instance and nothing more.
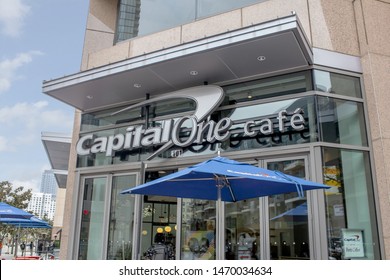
(18, 218)
(8, 211)
(32, 222)
(222, 179)
(298, 213)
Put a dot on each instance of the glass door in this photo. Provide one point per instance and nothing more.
(242, 235)
(92, 217)
(121, 218)
(288, 215)
(159, 223)
(106, 217)
(198, 227)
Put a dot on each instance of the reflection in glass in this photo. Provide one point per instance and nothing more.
(91, 232)
(242, 230)
(259, 112)
(198, 230)
(114, 116)
(267, 88)
(237, 141)
(121, 222)
(337, 83)
(158, 221)
(349, 204)
(142, 17)
(128, 19)
(342, 121)
(289, 236)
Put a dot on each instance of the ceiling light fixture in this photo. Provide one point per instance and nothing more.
(194, 73)
(89, 96)
(137, 85)
(261, 58)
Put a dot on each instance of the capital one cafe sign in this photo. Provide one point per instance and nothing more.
(207, 99)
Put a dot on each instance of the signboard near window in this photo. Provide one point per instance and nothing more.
(353, 243)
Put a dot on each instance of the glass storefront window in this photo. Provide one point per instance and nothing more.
(120, 235)
(128, 19)
(265, 115)
(350, 209)
(268, 87)
(279, 137)
(289, 231)
(99, 119)
(198, 230)
(242, 223)
(259, 113)
(96, 120)
(337, 83)
(92, 215)
(342, 121)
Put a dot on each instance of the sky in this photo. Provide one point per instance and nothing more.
(39, 40)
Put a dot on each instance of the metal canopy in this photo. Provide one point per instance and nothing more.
(57, 148)
(248, 52)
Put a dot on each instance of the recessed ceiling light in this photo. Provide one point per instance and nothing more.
(261, 58)
(137, 85)
(89, 96)
(194, 73)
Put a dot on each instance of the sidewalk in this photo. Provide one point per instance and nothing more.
(6, 255)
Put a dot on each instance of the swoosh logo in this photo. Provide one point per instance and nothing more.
(207, 99)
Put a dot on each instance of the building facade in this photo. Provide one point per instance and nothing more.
(43, 205)
(304, 92)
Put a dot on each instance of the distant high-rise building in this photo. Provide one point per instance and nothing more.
(42, 205)
(48, 183)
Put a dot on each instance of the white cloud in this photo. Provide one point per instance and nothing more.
(25, 113)
(19, 111)
(12, 15)
(5, 84)
(32, 184)
(31, 119)
(3, 144)
(9, 68)
(35, 115)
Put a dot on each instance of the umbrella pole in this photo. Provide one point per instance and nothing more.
(16, 242)
(220, 242)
